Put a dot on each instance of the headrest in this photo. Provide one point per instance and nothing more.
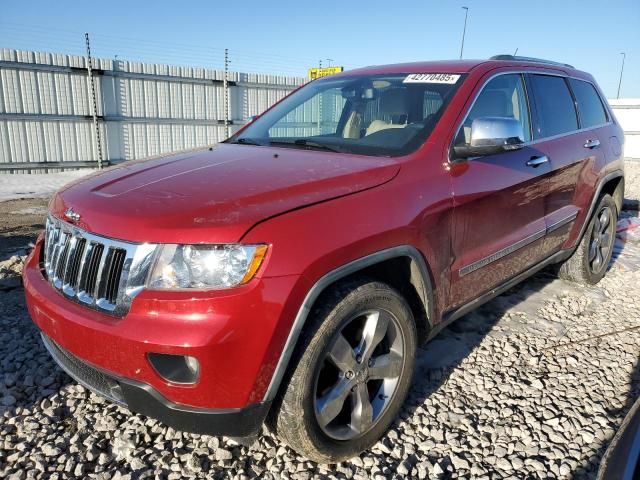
(394, 102)
(492, 103)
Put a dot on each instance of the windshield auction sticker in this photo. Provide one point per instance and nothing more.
(448, 78)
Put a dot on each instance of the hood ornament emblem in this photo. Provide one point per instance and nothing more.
(72, 215)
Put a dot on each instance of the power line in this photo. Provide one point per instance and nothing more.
(103, 42)
(106, 46)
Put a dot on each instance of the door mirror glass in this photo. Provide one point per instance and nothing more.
(492, 135)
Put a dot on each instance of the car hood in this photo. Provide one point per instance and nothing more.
(213, 195)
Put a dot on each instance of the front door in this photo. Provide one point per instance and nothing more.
(498, 225)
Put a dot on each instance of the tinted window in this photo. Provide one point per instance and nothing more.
(592, 112)
(503, 96)
(554, 106)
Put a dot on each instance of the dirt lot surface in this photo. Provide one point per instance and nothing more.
(20, 222)
(532, 385)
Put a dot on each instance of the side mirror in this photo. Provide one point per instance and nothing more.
(492, 135)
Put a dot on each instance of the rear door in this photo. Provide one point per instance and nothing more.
(567, 114)
(498, 223)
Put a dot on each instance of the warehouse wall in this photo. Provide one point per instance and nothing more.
(627, 111)
(143, 109)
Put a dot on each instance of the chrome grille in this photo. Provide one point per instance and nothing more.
(95, 271)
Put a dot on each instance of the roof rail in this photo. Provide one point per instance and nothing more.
(514, 58)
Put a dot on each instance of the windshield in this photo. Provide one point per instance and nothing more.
(369, 114)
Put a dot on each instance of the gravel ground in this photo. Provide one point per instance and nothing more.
(532, 385)
(632, 179)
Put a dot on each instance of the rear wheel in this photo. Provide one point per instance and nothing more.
(590, 261)
(353, 372)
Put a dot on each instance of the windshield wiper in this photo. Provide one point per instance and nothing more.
(303, 142)
(247, 141)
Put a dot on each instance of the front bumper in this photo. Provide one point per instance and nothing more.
(236, 336)
(141, 398)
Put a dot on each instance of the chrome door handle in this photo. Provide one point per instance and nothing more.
(537, 161)
(591, 144)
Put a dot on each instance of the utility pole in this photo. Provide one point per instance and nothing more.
(464, 30)
(226, 93)
(624, 55)
(94, 104)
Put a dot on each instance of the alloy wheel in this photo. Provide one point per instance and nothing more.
(602, 237)
(359, 374)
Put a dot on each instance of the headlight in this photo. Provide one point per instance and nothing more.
(205, 266)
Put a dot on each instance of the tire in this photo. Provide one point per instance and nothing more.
(348, 311)
(590, 261)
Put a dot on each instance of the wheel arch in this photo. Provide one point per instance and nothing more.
(613, 184)
(615, 187)
(402, 267)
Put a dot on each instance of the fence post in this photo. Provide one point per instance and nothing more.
(94, 104)
(320, 106)
(226, 93)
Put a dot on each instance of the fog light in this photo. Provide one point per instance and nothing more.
(175, 368)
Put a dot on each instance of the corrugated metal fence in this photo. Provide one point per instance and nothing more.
(627, 112)
(147, 109)
(143, 109)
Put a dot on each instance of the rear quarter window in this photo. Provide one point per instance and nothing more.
(556, 113)
(592, 112)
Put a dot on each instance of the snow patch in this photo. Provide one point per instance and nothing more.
(42, 211)
(36, 185)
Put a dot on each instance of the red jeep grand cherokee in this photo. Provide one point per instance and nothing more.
(288, 274)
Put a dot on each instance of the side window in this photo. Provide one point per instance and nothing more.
(503, 96)
(590, 106)
(556, 112)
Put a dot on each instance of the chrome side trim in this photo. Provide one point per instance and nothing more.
(328, 279)
(472, 267)
(517, 245)
(458, 312)
(560, 135)
(561, 223)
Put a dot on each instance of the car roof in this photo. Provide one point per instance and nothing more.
(464, 66)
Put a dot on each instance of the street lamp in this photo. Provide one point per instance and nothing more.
(329, 61)
(624, 55)
(464, 30)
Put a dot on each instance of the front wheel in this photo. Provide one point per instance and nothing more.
(354, 368)
(590, 261)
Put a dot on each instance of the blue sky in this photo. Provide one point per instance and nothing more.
(289, 36)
